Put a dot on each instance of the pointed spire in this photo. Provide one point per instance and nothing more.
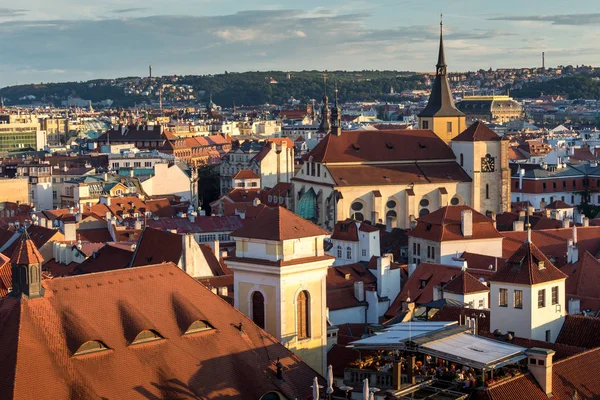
(325, 125)
(325, 98)
(528, 227)
(441, 64)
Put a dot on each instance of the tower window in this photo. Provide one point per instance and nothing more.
(425, 124)
(258, 309)
(348, 252)
(462, 159)
(487, 191)
(449, 127)
(303, 315)
(339, 252)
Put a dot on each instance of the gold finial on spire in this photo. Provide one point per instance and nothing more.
(441, 19)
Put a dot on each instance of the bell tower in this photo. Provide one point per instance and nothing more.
(26, 264)
(441, 115)
(280, 270)
(336, 116)
(325, 125)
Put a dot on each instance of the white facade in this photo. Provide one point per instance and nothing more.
(479, 300)
(168, 180)
(531, 321)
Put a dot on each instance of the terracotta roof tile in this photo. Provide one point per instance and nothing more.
(392, 145)
(279, 224)
(477, 132)
(465, 283)
(528, 266)
(156, 246)
(25, 251)
(445, 225)
(581, 331)
(111, 307)
(246, 174)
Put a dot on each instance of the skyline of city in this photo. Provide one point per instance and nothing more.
(110, 40)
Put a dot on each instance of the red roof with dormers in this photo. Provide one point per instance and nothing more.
(465, 283)
(232, 358)
(528, 266)
(278, 223)
(25, 251)
(445, 225)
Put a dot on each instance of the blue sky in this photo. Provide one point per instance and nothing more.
(62, 40)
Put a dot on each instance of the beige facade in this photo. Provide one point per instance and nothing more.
(14, 190)
(447, 128)
(281, 272)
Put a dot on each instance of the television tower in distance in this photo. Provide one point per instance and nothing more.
(150, 70)
(543, 61)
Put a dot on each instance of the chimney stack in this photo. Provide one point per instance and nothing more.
(359, 291)
(539, 363)
(530, 210)
(466, 221)
(586, 221)
(518, 226)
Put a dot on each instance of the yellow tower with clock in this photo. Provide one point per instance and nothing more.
(484, 157)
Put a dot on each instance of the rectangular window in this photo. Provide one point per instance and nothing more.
(541, 298)
(449, 127)
(318, 169)
(544, 186)
(503, 298)
(54, 195)
(137, 164)
(574, 184)
(364, 252)
(554, 185)
(518, 299)
(555, 295)
(425, 124)
(481, 303)
(548, 335)
(564, 184)
(517, 185)
(573, 200)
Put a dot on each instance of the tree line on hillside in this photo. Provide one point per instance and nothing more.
(574, 87)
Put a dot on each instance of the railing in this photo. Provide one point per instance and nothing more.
(379, 379)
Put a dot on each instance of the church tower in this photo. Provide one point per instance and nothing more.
(484, 157)
(336, 117)
(325, 125)
(441, 115)
(26, 264)
(280, 270)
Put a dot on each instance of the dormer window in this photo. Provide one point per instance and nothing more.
(423, 283)
(199, 326)
(91, 346)
(147, 335)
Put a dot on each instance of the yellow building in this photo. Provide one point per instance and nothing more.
(280, 270)
(498, 109)
(441, 115)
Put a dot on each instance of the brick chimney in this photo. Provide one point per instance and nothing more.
(466, 223)
(539, 363)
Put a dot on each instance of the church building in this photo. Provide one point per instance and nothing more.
(393, 177)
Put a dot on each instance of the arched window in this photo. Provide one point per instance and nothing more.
(303, 314)
(487, 191)
(258, 309)
(339, 252)
(358, 216)
(348, 252)
(198, 326)
(455, 201)
(423, 212)
(462, 159)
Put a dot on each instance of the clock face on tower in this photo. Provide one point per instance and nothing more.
(488, 163)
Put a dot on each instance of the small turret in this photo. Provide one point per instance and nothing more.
(26, 268)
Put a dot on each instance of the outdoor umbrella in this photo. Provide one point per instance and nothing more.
(315, 387)
(329, 380)
(366, 390)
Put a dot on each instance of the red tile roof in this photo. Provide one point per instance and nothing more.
(236, 359)
(25, 251)
(348, 230)
(278, 224)
(5, 275)
(465, 283)
(579, 372)
(553, 242)
(246, 174)
(583, 281)
(156, 246)
(445, 225)
(381, 146)
(528, 266)
(581, 331)
(394, 174)
(477, 132)
(558, 205)
(340, 285)
(107, 258)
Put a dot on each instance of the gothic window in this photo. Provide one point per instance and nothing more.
(307, 205)
(339, 252)
(359, 216)
(423, 212)
(258, 309)
(303, 315)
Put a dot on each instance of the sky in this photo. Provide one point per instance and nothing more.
(67, 40)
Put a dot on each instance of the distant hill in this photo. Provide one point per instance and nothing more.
(574, 87)
(248, 88)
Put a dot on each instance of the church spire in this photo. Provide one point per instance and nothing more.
(325, 125)
(441, 64)
(336, 116)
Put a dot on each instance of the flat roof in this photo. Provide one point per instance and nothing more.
(446, 340)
